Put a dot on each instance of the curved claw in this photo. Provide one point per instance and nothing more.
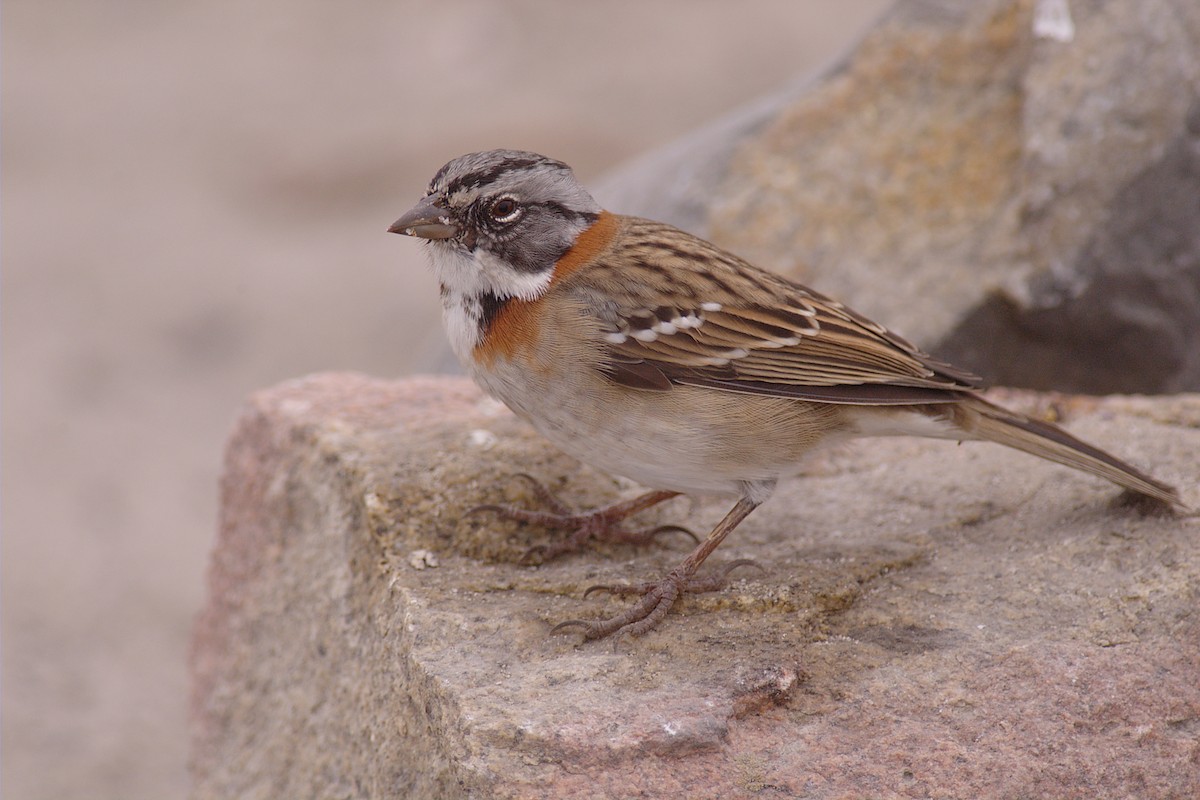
(525, 476)
(604, 587)
(493, 507)
(572, 623)
(591, 629)
(620, 589)
(741, 562)
(673, 529)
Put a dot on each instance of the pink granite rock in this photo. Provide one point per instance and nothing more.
(931, 620)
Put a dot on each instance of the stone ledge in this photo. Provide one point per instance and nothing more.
(932, 620)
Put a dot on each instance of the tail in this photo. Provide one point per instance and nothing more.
(993, 423)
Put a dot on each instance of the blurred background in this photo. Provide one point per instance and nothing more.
(195, 203)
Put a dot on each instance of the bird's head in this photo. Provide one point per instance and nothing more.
(497, 221)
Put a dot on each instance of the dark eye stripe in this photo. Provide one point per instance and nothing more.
(480, 212)
(559, 210)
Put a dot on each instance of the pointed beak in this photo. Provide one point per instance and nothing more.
(425, 220)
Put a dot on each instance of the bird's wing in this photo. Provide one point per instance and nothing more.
(684, 312)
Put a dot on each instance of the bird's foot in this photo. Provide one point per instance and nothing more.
(657, 599)
(601, 524)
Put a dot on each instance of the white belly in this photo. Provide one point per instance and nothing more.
(687, 440)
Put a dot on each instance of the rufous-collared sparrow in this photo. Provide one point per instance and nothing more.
(650, 353)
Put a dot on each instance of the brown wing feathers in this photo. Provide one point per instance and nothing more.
(755, 332)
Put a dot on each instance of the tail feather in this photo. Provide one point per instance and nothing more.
(987, 421)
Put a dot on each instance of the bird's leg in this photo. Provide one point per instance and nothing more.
(603, 523)
(658, 597)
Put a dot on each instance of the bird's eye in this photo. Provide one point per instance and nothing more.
(505, 209)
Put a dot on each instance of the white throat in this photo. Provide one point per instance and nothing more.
(465, 280)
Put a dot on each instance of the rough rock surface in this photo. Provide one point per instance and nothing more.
(1013, 184)
(930, 620)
